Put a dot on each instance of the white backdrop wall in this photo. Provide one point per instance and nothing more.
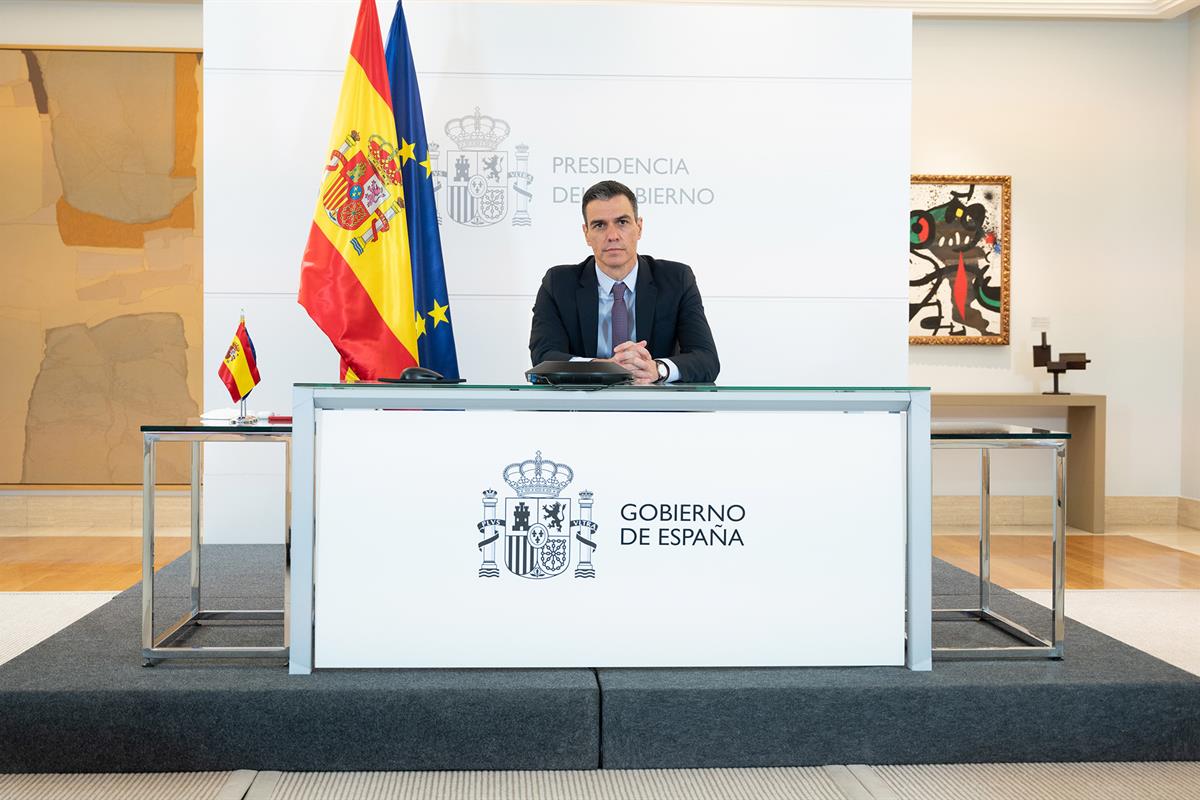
(1090, 120)
(787, 127)
(1190, 478)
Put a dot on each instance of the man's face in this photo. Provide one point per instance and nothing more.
(613, 232)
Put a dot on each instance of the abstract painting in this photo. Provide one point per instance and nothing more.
(101, 260)
(958, 259)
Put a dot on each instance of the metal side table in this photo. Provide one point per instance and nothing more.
(164, 646)
(985, 438)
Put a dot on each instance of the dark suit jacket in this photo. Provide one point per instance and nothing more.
(669, 316)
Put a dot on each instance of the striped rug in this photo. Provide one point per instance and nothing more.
(799, 783)
(1115, 781)
(128, 786)
(1124, 781)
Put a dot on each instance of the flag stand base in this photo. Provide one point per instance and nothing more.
(244, 418)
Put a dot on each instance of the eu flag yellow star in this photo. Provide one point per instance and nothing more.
(407, 151)
(438, 314)
(428, 167)
(420, 323)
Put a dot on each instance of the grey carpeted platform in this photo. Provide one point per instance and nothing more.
(81, 701)
(1105, 701)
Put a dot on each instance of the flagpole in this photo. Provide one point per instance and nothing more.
(244, 417)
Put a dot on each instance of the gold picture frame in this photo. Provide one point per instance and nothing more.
(960, 243)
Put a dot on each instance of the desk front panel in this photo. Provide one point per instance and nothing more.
(622, 539)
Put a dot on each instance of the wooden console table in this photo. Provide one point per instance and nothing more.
(1086, 422)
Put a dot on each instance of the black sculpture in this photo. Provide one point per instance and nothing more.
(1066, 361)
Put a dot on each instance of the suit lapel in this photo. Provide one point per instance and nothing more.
(647, 299)
(587, 300)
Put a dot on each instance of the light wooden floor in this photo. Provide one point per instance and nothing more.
(1110, 561)
(44, 562)
(1149, 557)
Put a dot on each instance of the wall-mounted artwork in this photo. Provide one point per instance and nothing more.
(101, 261)
(958, 250)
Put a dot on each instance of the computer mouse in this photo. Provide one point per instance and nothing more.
(421, 374)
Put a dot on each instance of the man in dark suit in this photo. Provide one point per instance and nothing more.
(642, 313)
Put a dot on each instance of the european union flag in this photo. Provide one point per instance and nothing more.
(431, 301)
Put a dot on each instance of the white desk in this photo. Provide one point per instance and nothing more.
(447, 526)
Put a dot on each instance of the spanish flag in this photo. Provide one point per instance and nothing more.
(239, 370)
(356, 277)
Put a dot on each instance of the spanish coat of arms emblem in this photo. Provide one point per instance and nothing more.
(537, 527)
(479, 176)
(363, 186)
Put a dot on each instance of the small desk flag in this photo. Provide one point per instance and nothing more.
(239, 370)
(356, 278)
(434, 328)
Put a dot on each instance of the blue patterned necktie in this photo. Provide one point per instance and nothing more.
(620, 315)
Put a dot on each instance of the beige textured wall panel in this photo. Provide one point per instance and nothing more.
(170, 511)
(1189, 512)
(94, 264)
(36, 270)
(131, 287)
(198, 155)
(80, 228)
(96, 387)
(115, 154)
(41, 274)
(22, 136)
(1141, 510)
(43, 216)
(169, 249)
(79, 511)
(20, 358)
(51, 183)
(1037, 510)
(131, 122)
(13, 68)
(22, 95)
(14, 511)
